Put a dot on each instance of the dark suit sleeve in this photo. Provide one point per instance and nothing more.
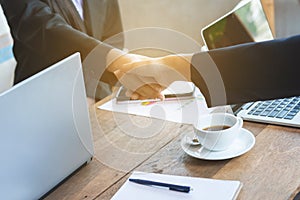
(250, 72)
(113, 27)
(35, 27)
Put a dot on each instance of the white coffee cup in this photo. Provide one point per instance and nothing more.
(228, 127)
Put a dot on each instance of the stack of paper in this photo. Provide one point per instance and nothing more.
(202, 188)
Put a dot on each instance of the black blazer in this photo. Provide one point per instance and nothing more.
(249, 72)
(44, 35)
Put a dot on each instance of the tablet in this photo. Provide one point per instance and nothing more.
(176, 91)
(247, 22)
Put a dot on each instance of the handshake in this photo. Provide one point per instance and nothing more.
(146, 77)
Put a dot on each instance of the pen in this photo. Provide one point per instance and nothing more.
(178, 188)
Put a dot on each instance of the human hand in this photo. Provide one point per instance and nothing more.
(139, 86)
(146, 77)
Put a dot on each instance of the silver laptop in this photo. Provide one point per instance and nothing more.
(45, 131)
(247, 23)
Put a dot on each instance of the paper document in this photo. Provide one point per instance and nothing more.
(202, 188)
(180, 111)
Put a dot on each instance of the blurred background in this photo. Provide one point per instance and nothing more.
(287, 17)
(189, 16)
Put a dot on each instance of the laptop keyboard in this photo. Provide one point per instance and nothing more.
(286, 108)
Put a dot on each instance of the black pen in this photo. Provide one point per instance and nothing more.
(178, 188)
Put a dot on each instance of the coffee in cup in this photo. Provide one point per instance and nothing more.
(217, 131)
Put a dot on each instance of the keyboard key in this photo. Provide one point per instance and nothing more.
(287, 109)
(265, 113)
(273, 114)
(282, 114)
(251, 112)
(256, 113)
(289, 117)
(256, 106)
(293, 113)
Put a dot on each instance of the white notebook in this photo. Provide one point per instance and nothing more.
(202, 188)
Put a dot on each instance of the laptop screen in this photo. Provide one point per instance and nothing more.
(246, 23)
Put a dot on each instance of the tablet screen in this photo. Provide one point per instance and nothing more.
(246, 23)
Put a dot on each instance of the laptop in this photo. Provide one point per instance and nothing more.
(45, 131)
(247, 23)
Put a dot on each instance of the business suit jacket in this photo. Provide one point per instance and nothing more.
(45, 33)
(250, 72)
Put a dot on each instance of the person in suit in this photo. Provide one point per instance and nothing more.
(46, 31)
(252, 71)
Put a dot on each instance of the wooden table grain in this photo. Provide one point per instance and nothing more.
(269, 171)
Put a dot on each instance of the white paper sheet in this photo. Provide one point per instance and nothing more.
(202, 188)
(181, 111)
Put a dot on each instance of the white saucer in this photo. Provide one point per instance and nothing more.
(241, 145)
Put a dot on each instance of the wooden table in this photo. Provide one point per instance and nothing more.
(269, 171)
